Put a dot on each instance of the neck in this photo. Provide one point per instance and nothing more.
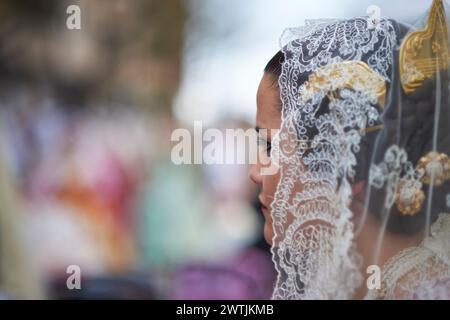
(392, 243)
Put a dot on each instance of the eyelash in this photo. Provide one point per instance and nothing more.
(266, 144)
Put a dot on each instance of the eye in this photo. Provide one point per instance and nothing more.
(268, 148)
(264, 145)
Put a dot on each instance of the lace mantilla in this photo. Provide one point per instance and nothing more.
(408, 274)
(313, 234)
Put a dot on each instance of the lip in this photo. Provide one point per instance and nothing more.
(261, 202)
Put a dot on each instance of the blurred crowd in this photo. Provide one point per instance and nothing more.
(85, 172)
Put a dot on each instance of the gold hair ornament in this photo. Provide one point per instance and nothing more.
(423, 52)
(355, 75)
(435, 167)
(436, 171)
(409, 198)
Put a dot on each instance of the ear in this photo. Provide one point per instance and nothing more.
(357, 204)
(358, 188)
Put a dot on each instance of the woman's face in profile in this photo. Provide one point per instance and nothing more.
(268, 120)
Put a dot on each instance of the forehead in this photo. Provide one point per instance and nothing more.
(268, 113)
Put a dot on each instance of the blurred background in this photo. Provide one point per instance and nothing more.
(85, 123)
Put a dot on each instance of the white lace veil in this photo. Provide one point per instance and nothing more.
(363, 144)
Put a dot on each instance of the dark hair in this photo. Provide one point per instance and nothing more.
(414, 133)
(275, 64)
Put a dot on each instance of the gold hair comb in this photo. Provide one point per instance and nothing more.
(347, 74)
(422, 52)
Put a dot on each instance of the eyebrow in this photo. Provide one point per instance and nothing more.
(258, 129)
(267, 138)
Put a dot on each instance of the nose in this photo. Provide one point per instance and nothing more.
(255, 174)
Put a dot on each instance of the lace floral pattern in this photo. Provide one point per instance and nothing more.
(313, 233)
(391, 171)
(419, 272)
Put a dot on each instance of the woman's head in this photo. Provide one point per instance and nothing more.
(416, 138)
(268, 120)
(349, 133)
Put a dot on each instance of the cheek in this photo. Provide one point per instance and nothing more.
(268, 232)
(269, 186)
(270, 183)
